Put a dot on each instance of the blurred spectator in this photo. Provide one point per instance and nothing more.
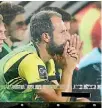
(95, 34)
(90, 66)
(88, 19)
(74, 26)
(2, 32)
(14, 20)
(89, 75)
(90, 71)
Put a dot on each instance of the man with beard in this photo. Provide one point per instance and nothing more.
(66, 17)
(14, 19)
(69, 23)
(52, 41)
(2, 32)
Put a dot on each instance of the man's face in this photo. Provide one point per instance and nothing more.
(2, 35)
(60, 36)
(17, 28)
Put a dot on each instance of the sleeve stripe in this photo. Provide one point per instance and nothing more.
(41, 83)
(52, 78)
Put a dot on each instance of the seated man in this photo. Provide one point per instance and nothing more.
(23, 67)
(66, 17)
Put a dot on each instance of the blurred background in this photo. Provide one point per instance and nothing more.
(87, 18)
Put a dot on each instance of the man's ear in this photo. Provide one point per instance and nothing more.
(45, 37)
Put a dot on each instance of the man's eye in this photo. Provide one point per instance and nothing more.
(21, 23)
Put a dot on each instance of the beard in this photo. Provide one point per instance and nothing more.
(54, 49)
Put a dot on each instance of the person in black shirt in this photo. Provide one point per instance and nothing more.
(88, 77)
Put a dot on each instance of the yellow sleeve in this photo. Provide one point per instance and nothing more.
(32, 69)
(51, 70)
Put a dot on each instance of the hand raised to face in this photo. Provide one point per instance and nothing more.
(71, 54)
(75, 46)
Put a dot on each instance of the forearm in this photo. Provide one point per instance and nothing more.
(51, 95)
(65, 83)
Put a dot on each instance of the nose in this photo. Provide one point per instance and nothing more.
(24, 27)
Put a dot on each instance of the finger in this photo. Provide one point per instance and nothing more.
(74, 56)
(66, 47)
(73, 52)
(80, 50)
(70, 49)
(81, 46)
(77, 43)
(71, 41)
(74, 41)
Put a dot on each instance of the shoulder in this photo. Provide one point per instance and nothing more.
(93, 57)
(32, 59)
(32, 68)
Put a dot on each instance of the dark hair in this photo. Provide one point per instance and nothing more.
(65, 16)
(9, 11)
(41, 23)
